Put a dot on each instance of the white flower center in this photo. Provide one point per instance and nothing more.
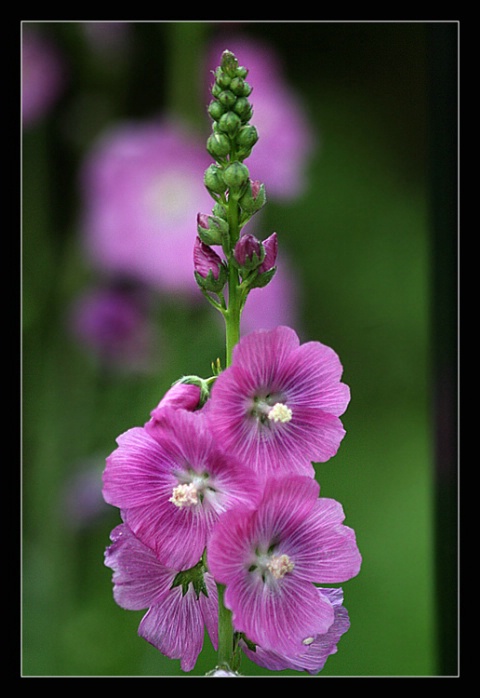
(184, 495)
(279, 565)
(280, 413)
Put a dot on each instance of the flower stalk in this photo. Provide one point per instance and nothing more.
(228, 180)
(236, 530)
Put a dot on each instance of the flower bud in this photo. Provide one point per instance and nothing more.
(267, 269)
(236, 175)
(215, 109)
(239, 87)
(254, 198)
(229, 64)
(249, 252)
(227, 98)
(218, 145)
(210, 272)
(243, 108)
(213, 180)
(271, 251)
(212, 230)
(230, 123)
(247, 137)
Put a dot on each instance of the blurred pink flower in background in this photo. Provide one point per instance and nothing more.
(43, 75)
(276, 304)
(286, 137)
(142, 186)
(113, 324)
(82, 502)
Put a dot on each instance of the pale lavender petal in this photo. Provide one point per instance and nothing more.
(175, 621)
(263, 352)
(312, 377)
(325, 550)
(139, 580)
(278, 617)
(285, 506)
(175, 627)
(209, 607)
(314, 654)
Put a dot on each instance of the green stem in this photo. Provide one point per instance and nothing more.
(232, 315)
(225, 631)
(226, 644)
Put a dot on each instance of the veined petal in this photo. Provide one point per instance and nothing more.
(325, 550)
(316, 650)
(139, 579)
(278, 618)
(175, 627)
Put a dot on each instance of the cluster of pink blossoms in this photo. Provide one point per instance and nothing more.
(221, 511)
(224, 492)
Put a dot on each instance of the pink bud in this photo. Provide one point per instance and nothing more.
(271, 250)
(246, 248)
(255, 184)
(205, 260)
(202, 220)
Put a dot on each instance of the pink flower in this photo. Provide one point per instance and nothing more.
(142, 189)
(113, 323)
(172, 482)
(281, 156)
(277, 406)
(270, 557)
(43, 76)
(316, 650)
(178, 613)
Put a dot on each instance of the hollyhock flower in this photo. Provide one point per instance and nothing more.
(113, 323)
(43, 75)
(179, 608)
(142, 188)
(277, 406)
(281, 156)
(316, 649)
(270, 558)
(172, 482)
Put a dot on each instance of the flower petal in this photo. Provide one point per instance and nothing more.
(139, 579)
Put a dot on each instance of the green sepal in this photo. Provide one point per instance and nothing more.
(201, 383)
(209, 282)
(193, 576)
(251, 645)
(264, 278)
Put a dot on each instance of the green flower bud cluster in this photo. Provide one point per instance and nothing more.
(232, 137)
(246, 264)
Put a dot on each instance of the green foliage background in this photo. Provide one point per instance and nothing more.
(363, 244)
